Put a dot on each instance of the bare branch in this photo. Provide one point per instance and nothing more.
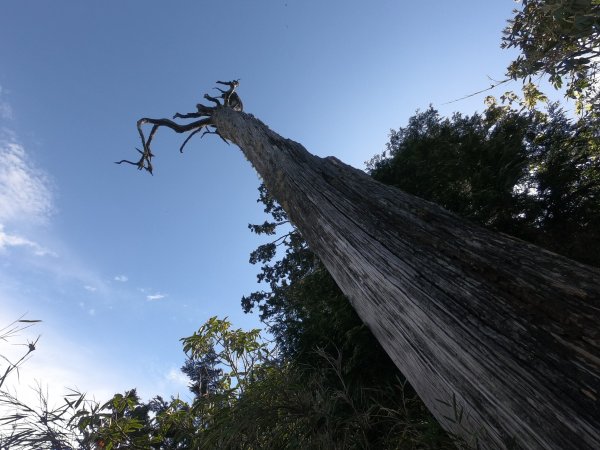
(215, 131)
(143, 163)
(212, 99)
(188, 116)
(190, 136)
(230, 99)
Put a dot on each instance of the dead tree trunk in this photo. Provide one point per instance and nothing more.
(500, 338)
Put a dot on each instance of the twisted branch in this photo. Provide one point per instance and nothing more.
(230, 100)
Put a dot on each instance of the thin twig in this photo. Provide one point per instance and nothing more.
(479, 92)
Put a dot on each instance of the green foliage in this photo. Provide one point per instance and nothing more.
(293, 406)
(124, 422)
(239, 353)
(531, 174)
(282, 405)
(559, 38)
(235, 359)
(469, 165)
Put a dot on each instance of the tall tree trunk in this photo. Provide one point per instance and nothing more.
(500, 338)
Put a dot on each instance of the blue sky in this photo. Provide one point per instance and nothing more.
(119, 264)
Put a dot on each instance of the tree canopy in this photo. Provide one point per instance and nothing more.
(530, 174)
(561, 39)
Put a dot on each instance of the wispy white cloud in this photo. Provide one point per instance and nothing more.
(13, 240)
(121, 278)
(90, 288)
(25, 194)
(154, 297)
(25, 190)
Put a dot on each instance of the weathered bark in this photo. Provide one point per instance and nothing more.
(501, 339)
